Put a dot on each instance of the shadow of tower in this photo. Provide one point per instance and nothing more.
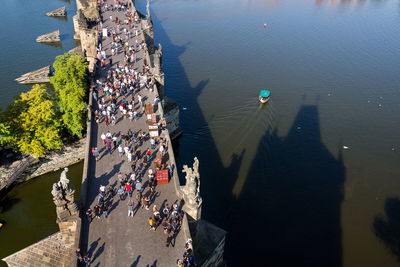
(288, 213)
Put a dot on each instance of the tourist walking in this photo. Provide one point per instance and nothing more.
(152, 143)
(89, 214)
(108, 145)
(79, 254)
(166, 211)
(95, 153)
(103, 139)
(130, 208)
(128, 189)
(87, 260)
(146, 202)
(105, 210)
(114, 140)
(138, 185)
(148, 154)
(152, 184)
(97, 211)
(120, 151)
(138, 196)
(121, 193)
(152, 224)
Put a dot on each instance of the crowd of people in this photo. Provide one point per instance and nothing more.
(119, 97)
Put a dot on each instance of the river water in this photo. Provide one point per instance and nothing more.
(24, 20)
(28, 211)
(309, 179)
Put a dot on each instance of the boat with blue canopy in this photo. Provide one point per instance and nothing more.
(264, 96)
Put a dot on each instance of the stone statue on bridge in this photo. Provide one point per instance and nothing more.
(63, 197)
(191, 190)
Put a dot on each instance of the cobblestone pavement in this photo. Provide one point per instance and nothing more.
(120, 240)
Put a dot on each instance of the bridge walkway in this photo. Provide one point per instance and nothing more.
(120, 240)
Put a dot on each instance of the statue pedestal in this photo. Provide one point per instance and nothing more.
(65, 210)
(193, 211)
(63, 197)
(191, 191)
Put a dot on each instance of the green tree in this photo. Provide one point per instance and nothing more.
(4, 133)
(70, 84)
(30, 124)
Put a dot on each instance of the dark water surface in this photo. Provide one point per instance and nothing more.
(277, 176)
(28, 211)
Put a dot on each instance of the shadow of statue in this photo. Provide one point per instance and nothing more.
(136, 262)
(387, 226)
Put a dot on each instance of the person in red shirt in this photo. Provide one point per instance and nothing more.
(148, 154)
(128, 188)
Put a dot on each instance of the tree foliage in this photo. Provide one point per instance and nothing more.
(4, 133)
(30, 124)
(70, 86)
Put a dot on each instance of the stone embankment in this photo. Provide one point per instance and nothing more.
(41, 75)
(12, 173)
(59, 12)
(60, 159)
(51, 37)
(31, 167)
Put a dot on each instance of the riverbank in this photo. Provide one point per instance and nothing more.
(29, 167)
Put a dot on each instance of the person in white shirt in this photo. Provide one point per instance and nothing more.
(103, 138)
(120, 150)
(102, 189)
(126, 149)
